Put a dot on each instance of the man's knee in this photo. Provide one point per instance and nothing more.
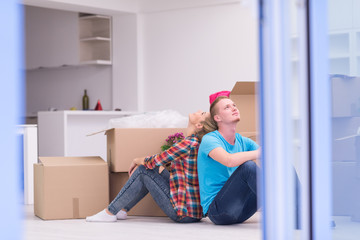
(250, 163)
(250, 166)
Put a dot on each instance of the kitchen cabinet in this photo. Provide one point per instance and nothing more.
(51, 38)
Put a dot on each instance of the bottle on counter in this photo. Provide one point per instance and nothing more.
(85, 101)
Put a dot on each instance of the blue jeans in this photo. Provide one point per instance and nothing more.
(141, 182)
(237, 199)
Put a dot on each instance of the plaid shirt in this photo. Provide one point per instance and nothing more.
(184, 184)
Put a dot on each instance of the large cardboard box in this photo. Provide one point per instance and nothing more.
(146, 207)
(243, 95)
(125, 144)
(70, 187)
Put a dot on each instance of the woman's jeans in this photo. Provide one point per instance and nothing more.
(237, 199)
(140, 183)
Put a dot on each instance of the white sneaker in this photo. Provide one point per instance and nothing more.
(121, 215)
(102, 216)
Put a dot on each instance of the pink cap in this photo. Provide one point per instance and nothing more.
(213, 96)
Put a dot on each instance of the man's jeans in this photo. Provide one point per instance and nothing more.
(141, 182)
(237, 199)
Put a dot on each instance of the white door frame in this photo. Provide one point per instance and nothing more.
(277, 185)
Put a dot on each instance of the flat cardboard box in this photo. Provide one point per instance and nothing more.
(125, 144)
(146, 207)
(70, 187)
(243, 95)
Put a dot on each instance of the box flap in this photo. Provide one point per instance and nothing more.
(71, 161)
(243, 88)
(94, 133)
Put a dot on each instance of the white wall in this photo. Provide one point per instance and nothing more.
(125, 62)
(191, 53)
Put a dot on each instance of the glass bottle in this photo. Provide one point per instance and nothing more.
(85, 101)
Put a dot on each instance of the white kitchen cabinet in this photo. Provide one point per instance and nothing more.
(65, 133)
(95, 39)
(51, 38)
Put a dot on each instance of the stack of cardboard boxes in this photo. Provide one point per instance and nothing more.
(76, 187)
(125, 144)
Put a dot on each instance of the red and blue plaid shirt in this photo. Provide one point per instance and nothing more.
(184, 183)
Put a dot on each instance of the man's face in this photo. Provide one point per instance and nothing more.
(227, 111)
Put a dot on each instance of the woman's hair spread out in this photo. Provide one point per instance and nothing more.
(209, 125)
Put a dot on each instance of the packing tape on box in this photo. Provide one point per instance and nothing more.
(76, 208)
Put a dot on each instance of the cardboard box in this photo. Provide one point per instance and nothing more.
(146, 207)
(125, 144)
(243, 95)
(70, 187)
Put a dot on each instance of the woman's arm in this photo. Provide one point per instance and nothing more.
(233, 159)
(140, 161)
(178, 150)
(135, 163)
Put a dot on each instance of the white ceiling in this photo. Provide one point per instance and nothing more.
(113, 7)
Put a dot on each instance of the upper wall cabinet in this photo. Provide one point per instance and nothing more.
(51, 37)
(57, 38)
(95, 39)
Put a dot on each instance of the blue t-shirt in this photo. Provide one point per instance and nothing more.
(212, 174)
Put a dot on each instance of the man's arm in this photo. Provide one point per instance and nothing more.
(233, 159)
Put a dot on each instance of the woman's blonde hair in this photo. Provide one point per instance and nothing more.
(210, 125)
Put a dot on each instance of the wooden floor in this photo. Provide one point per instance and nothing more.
(136, 228)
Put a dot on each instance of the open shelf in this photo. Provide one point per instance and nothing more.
(95, 25)
(89, 39)
(94, 39)
(96, 62)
